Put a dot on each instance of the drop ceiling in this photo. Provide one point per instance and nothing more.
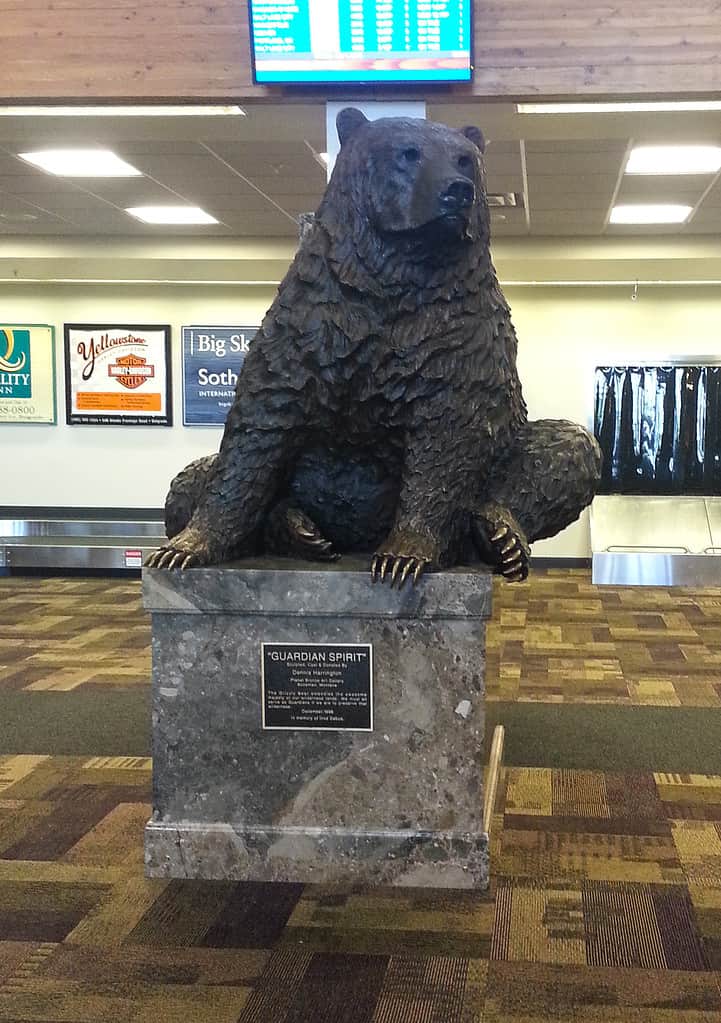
(257, 173)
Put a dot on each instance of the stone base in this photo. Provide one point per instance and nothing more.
(316, 855)
(399, 805)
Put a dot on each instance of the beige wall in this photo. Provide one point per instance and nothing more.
(563, 333)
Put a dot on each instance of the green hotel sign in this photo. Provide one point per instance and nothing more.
(15, 372)
(27, 373)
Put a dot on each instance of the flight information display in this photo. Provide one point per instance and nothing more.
(325, 41)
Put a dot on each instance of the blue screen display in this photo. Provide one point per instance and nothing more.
(325, 41)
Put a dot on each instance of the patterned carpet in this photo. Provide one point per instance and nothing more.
(559, 639)
(606, 897)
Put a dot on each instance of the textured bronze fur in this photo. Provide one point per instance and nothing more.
(379, 406)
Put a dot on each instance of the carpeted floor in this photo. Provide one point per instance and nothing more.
(606, 897)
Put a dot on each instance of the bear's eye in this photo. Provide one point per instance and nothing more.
(465, 164)
(411, 154)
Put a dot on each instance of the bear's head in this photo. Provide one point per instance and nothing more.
(411, 176)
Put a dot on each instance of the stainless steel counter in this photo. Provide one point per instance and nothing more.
(656, 541)
(78, 542)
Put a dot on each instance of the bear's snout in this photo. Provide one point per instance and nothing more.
(457, 195)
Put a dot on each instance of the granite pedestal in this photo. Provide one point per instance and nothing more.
(399, 805)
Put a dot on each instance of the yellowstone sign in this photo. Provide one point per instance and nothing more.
(117, 376)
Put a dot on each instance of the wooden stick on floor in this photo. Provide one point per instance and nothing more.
(494, 769)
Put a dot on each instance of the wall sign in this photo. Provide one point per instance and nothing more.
(317, 685)
(27, 373)
(117, 375)
(133, 558)
(212, 357)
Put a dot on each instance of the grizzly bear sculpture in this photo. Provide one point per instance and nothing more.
(379, 407)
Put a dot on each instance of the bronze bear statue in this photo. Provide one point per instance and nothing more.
(379, 408)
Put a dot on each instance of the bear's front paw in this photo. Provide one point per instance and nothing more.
(185, 550)
(501, 541)
(513, 554)
(404, 553)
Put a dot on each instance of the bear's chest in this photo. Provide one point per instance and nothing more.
(405, 367)
(401, 358)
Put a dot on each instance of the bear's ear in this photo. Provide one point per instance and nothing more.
(348, 122)
(476, 136)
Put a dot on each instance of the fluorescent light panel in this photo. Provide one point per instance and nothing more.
(649, 213)
(171, 215)
(674, 160)
(649, 106)
(81, 163)
(135, 111)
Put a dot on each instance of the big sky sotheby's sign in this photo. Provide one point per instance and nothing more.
(212, 357)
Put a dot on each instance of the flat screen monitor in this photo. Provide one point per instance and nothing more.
(345, 41)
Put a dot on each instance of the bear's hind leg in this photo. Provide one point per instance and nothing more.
(535, 490)
(185, 492)
(288, 530)
(242, 483)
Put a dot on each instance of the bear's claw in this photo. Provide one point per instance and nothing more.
(512, 554)
(397, 568)
(185, 550)
(170, 558)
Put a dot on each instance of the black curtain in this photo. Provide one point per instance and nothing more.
(606, 423)
(687, 470)
(712, 449)
(628, 462)
(667, 378)
(659, 428)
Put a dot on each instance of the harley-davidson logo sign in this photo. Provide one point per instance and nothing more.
(131, 371)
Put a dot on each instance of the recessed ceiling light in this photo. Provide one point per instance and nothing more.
(81, 163)
(171, 215)
(649, 213)
(135, 111)
(674, 160)
(649, 106)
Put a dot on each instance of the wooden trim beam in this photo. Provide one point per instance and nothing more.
(197, 50)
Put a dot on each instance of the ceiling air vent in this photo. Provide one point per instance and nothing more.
(505, 199)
